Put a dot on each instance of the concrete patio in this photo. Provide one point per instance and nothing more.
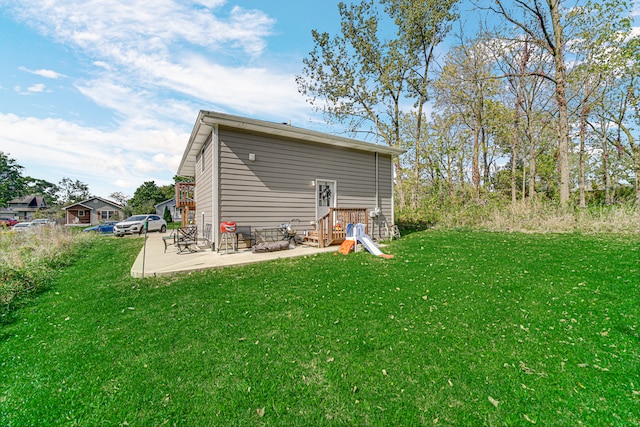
(153, 261)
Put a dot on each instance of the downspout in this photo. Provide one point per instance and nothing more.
(215, 186)
(393, 189)
(377, 182)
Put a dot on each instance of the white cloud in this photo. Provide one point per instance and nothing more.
(103, 65)
(36, 88)
(134, 46)
(110, 29)
(154, 64)
(102, 159)
(50, 74)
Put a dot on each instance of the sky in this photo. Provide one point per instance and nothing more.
(107, 92)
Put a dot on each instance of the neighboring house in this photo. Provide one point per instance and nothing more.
(24, 208)
(93, 211)
(171, 205)
(262, 174)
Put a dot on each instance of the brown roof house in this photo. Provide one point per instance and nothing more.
(93, 211)
(24, 208)
(261, 174)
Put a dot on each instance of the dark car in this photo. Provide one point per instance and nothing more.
(104, 228)
(8, 222)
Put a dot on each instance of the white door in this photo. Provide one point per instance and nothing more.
(325, 197)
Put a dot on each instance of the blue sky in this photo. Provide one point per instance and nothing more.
(107, 92)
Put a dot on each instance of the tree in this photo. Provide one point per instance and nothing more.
(11, 179)
(40, 187)
(145, 197)
(363, 81)
(168, 191)
(119, 197)
(598, 48)
(167, 215)
(464, 89)
(542, 22)
(72, 191)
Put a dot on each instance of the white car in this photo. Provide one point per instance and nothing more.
(23, 226)
(135, 225)
(43, 221)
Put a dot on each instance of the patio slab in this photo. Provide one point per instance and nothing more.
(153, 261)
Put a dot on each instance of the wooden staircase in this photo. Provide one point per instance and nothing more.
(185, 199)
(331, 228)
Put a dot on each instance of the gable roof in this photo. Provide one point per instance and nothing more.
(85, 204)
(30, 201)
(207, 120)
(166, 202)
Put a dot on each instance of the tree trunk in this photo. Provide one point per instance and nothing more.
(532, 169)
(514, 168)
(561, 100)
(475, 172)
(583, 131)
(605, 167)
(516, 143)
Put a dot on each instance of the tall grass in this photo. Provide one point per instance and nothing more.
(535, 216)
(29, 259)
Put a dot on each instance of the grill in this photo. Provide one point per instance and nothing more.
(228, 227)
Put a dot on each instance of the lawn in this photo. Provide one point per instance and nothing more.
(460, 328)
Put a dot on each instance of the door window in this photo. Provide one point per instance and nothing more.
(325, 196)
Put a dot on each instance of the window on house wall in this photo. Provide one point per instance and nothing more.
(202, 157)
(80, 213)
(105, 215)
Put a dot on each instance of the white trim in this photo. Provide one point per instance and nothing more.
(215, 186)
(334, 197)
(393, 196)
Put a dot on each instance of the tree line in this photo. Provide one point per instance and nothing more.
(542, 103)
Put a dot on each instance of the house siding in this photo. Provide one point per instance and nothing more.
(204, 187)
(91, 212)
(277, 186)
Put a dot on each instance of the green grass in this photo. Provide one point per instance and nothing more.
(460, 328)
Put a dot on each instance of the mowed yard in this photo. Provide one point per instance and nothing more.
(460, 328)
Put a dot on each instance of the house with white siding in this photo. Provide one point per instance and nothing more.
(261, 174)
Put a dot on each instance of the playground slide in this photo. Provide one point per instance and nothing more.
(368, 242)
(370, 245)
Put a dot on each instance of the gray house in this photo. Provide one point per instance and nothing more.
(171, 205)
(25, 208)
(261, 174)
(93, 211)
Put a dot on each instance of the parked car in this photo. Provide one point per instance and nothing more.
(23, 226)
(135, 224)
(8, 222)
(43, 221)
(104, 228)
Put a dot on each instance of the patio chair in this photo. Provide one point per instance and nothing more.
(171, 239)
(243, 232)
(187, 239)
